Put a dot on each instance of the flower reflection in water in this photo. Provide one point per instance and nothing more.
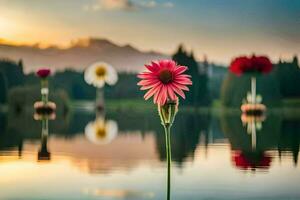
(44, 111)
(253, 124)
(101, 131)
(253, 159)
(44, 154)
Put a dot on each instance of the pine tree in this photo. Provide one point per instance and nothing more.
(198, 94)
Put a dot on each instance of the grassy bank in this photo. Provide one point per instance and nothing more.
(289, 108)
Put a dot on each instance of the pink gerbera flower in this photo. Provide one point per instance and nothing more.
(164, 80)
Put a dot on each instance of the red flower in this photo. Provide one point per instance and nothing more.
(43, 73)
(261, 64)
(240, 65)
(254, 64)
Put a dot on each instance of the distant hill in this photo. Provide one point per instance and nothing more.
(79, 55)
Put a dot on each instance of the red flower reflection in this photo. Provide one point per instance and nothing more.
(254, 64)
(251, 161)
(43, 73)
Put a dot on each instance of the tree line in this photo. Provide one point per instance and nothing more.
(283, 82)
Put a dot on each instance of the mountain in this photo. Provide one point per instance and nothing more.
(79, 55)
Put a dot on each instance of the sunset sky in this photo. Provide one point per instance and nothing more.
(221, 29)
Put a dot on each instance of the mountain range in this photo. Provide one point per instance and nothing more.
(79, 55)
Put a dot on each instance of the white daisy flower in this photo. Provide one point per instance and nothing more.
(101, 131)
(100, 73)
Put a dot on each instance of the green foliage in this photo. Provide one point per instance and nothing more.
(240, 139)
(283, 82)
(11, 74)
(73, 82)
(12, 71)
(288, 75)
(198, 94)
(22, 98)
(126, 88)
(3, 88)
(234, 89)
(216, 78)
(77, 89)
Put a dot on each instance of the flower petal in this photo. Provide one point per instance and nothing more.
(171, 65)
(151, 92)
(180, 86)
(180, 70)
(146, 87)
(146, 75)
(171, 93)
(183, 81)
(155, 65)
(151, 68)
(146, 82)
(164, 95)
(177, 90)
(157, 94)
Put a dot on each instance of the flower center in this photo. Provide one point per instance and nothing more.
(100, 71)
(101, 132)
(165, 76)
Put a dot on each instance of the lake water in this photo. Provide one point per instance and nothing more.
(215, 157)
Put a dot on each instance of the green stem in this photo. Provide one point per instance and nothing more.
(44, 90)
(100, 98)
(253, 89)
(45, 127)
(168, 152)
(167, 113)
(44, 99)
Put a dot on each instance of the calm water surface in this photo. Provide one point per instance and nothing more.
(214, 157)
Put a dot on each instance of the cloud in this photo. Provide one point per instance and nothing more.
(168, 4)
(110, 5)
(127, 5)
(148, 4)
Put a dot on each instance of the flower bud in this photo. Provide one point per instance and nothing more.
(167, 112)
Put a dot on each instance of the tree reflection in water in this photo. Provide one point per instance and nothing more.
(278, 133)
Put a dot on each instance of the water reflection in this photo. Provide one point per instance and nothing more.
(255, 136)
(252, 159)
(194, 130)
(123, 194)
(44, 154)
(253, 124)
(205, 148)
(101, 131)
